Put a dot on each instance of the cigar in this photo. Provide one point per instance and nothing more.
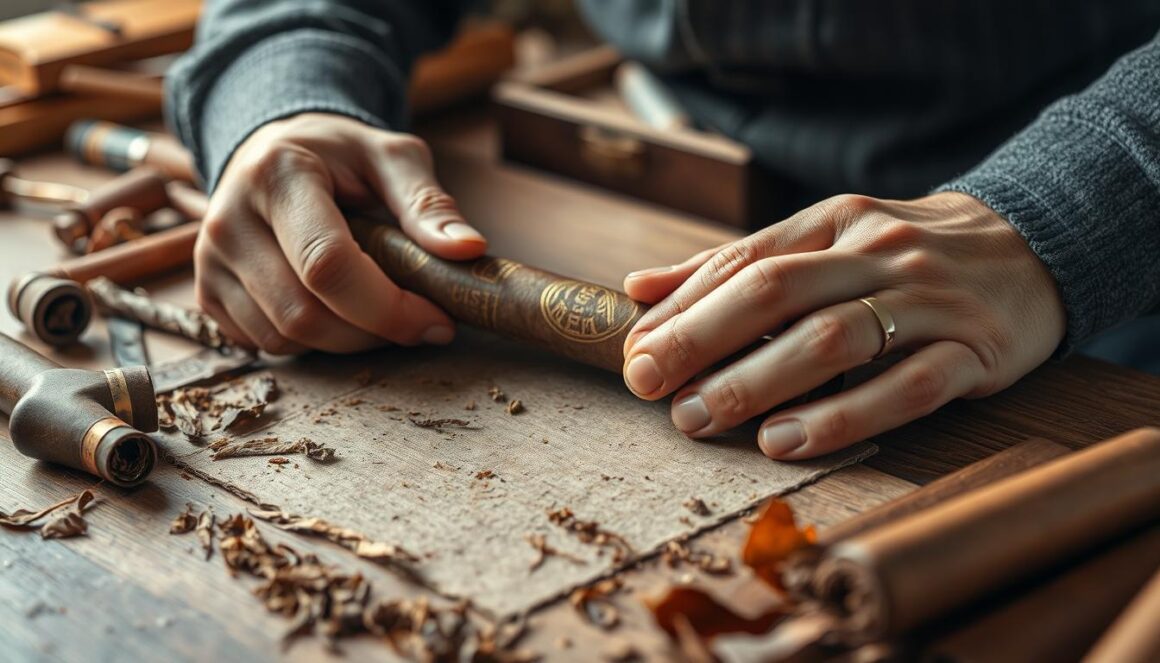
(649, 99)
(122, 148)
(1135, 636)
(142, 189)
(117, 226)
(54, 305)
(582, 321)
(904, 574)
(124, 84)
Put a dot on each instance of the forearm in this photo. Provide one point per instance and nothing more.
(1082, 185)
(258, 62)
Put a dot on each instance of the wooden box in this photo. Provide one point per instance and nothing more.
(567, 118)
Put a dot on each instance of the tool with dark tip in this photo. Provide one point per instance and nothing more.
(16, 188)
(142, 189)
(96, 421)
(123, 148)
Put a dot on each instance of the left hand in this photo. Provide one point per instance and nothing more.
(971, 302)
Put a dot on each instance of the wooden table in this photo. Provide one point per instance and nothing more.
(129, 590)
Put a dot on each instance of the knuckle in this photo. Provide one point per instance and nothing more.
(830, 428)
(216, 231)
(407, 146)
(431, 199)
(764, 281)
(325, 264)
(920, 265)
(731, 399)
(727, 262)
(297, 322)
(680, 345)
(829, 339)
(854, 204)
(893, 235)
(922, 388)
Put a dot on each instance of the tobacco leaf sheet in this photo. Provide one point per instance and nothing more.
(137, 305)
(61, 525)
(201, 411)
(583, 442)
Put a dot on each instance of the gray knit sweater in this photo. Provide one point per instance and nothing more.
(888, 100)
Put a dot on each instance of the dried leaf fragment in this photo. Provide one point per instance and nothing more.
(590, 532)
(496, 394)
(539, 543)
(271, 445)
(204, 531)
(593, 602)
(697, 506)
(440, 424)
(515, 407)
(183, 522)
(199, 411)
(138, 306)
(771, 541)
(678, 552)
(707, 616)
(61, 526)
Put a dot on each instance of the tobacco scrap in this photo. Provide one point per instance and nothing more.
(204, 531)
(61, 526)
(515, 407)
(539, 543)
(496, 394)
(697, 506)
(198, 411)
(623, 652)
(271, 445)
(279, 461)
(183, 522)
(138, 306)
(440, 424)
(497, 644)
(772, 540)
(383, 553)
(707, 616)
(590, 532)
(594, 603)
(484, 474)
(678, 552)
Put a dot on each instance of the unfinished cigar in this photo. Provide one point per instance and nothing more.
(649, 98)
(579, 320)
(55, 307)
(123, 148)
(95, 421)
(901, 575)
(194, 325)
(142, 189)
(17, 188)
(117, 226)
(1135, 635)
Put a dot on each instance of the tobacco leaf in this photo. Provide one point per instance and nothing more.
(204, 530)
(706, 615)
(697, 506)
(515, 407)
(270, 445)
(62, 526)
(772, 539)
(24, 519)
(440, 424)
(593, 602)
(140, 307)
(675, 553)
(199, 411)
(383, 553)
(183, 522)
(590, 532)
(539, 543)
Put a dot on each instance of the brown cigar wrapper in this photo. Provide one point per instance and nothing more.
(893, 578)
(1135, 635)
(582, 321)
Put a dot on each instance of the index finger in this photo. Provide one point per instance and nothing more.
(317, 241)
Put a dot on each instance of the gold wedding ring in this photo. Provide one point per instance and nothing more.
(885, 320)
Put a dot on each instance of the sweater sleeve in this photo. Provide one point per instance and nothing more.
(256, 62)
(1082, 185)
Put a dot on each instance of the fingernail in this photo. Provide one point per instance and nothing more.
(438, 335)
(649, 272)
(462, 232)
(782, 437)
(690, 414)
(642, 375)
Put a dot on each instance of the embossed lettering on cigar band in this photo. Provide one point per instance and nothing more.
(584, 312)
(478, 304)
(410, 257)
(493, 270)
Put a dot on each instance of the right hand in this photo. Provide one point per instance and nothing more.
(275, 261)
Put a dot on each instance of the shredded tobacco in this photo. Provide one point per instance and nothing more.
(271, 445)
(697, 506)
(199, 411)
(678, 552)
(590, 532)
(539, 543)
(515, 407)
(593, 602)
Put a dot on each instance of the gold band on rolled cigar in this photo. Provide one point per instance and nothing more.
(92, 440)
(119, 390)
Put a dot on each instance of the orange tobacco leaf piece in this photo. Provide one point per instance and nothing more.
(772, 539)
(707, 617)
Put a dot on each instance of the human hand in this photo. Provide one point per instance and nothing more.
(970, 300)
(275, 261)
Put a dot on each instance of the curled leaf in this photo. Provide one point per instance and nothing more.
(707, 617)
(773, 537)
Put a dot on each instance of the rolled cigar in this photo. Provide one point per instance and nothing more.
(649, 98)
(13, 187)
(1061, 617)
(579, 320)
(142, 189)
(1135, 635)
(117, 226)
(123, 84)
(54, 305)
(123, 148)
(136, 306)
(893, 578)
(95, 421)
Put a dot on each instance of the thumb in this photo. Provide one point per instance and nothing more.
(404, 175)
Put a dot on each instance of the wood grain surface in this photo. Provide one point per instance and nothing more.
(129, 589)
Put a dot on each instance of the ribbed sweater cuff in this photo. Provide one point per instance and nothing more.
(1067, 184)
(301, 71)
